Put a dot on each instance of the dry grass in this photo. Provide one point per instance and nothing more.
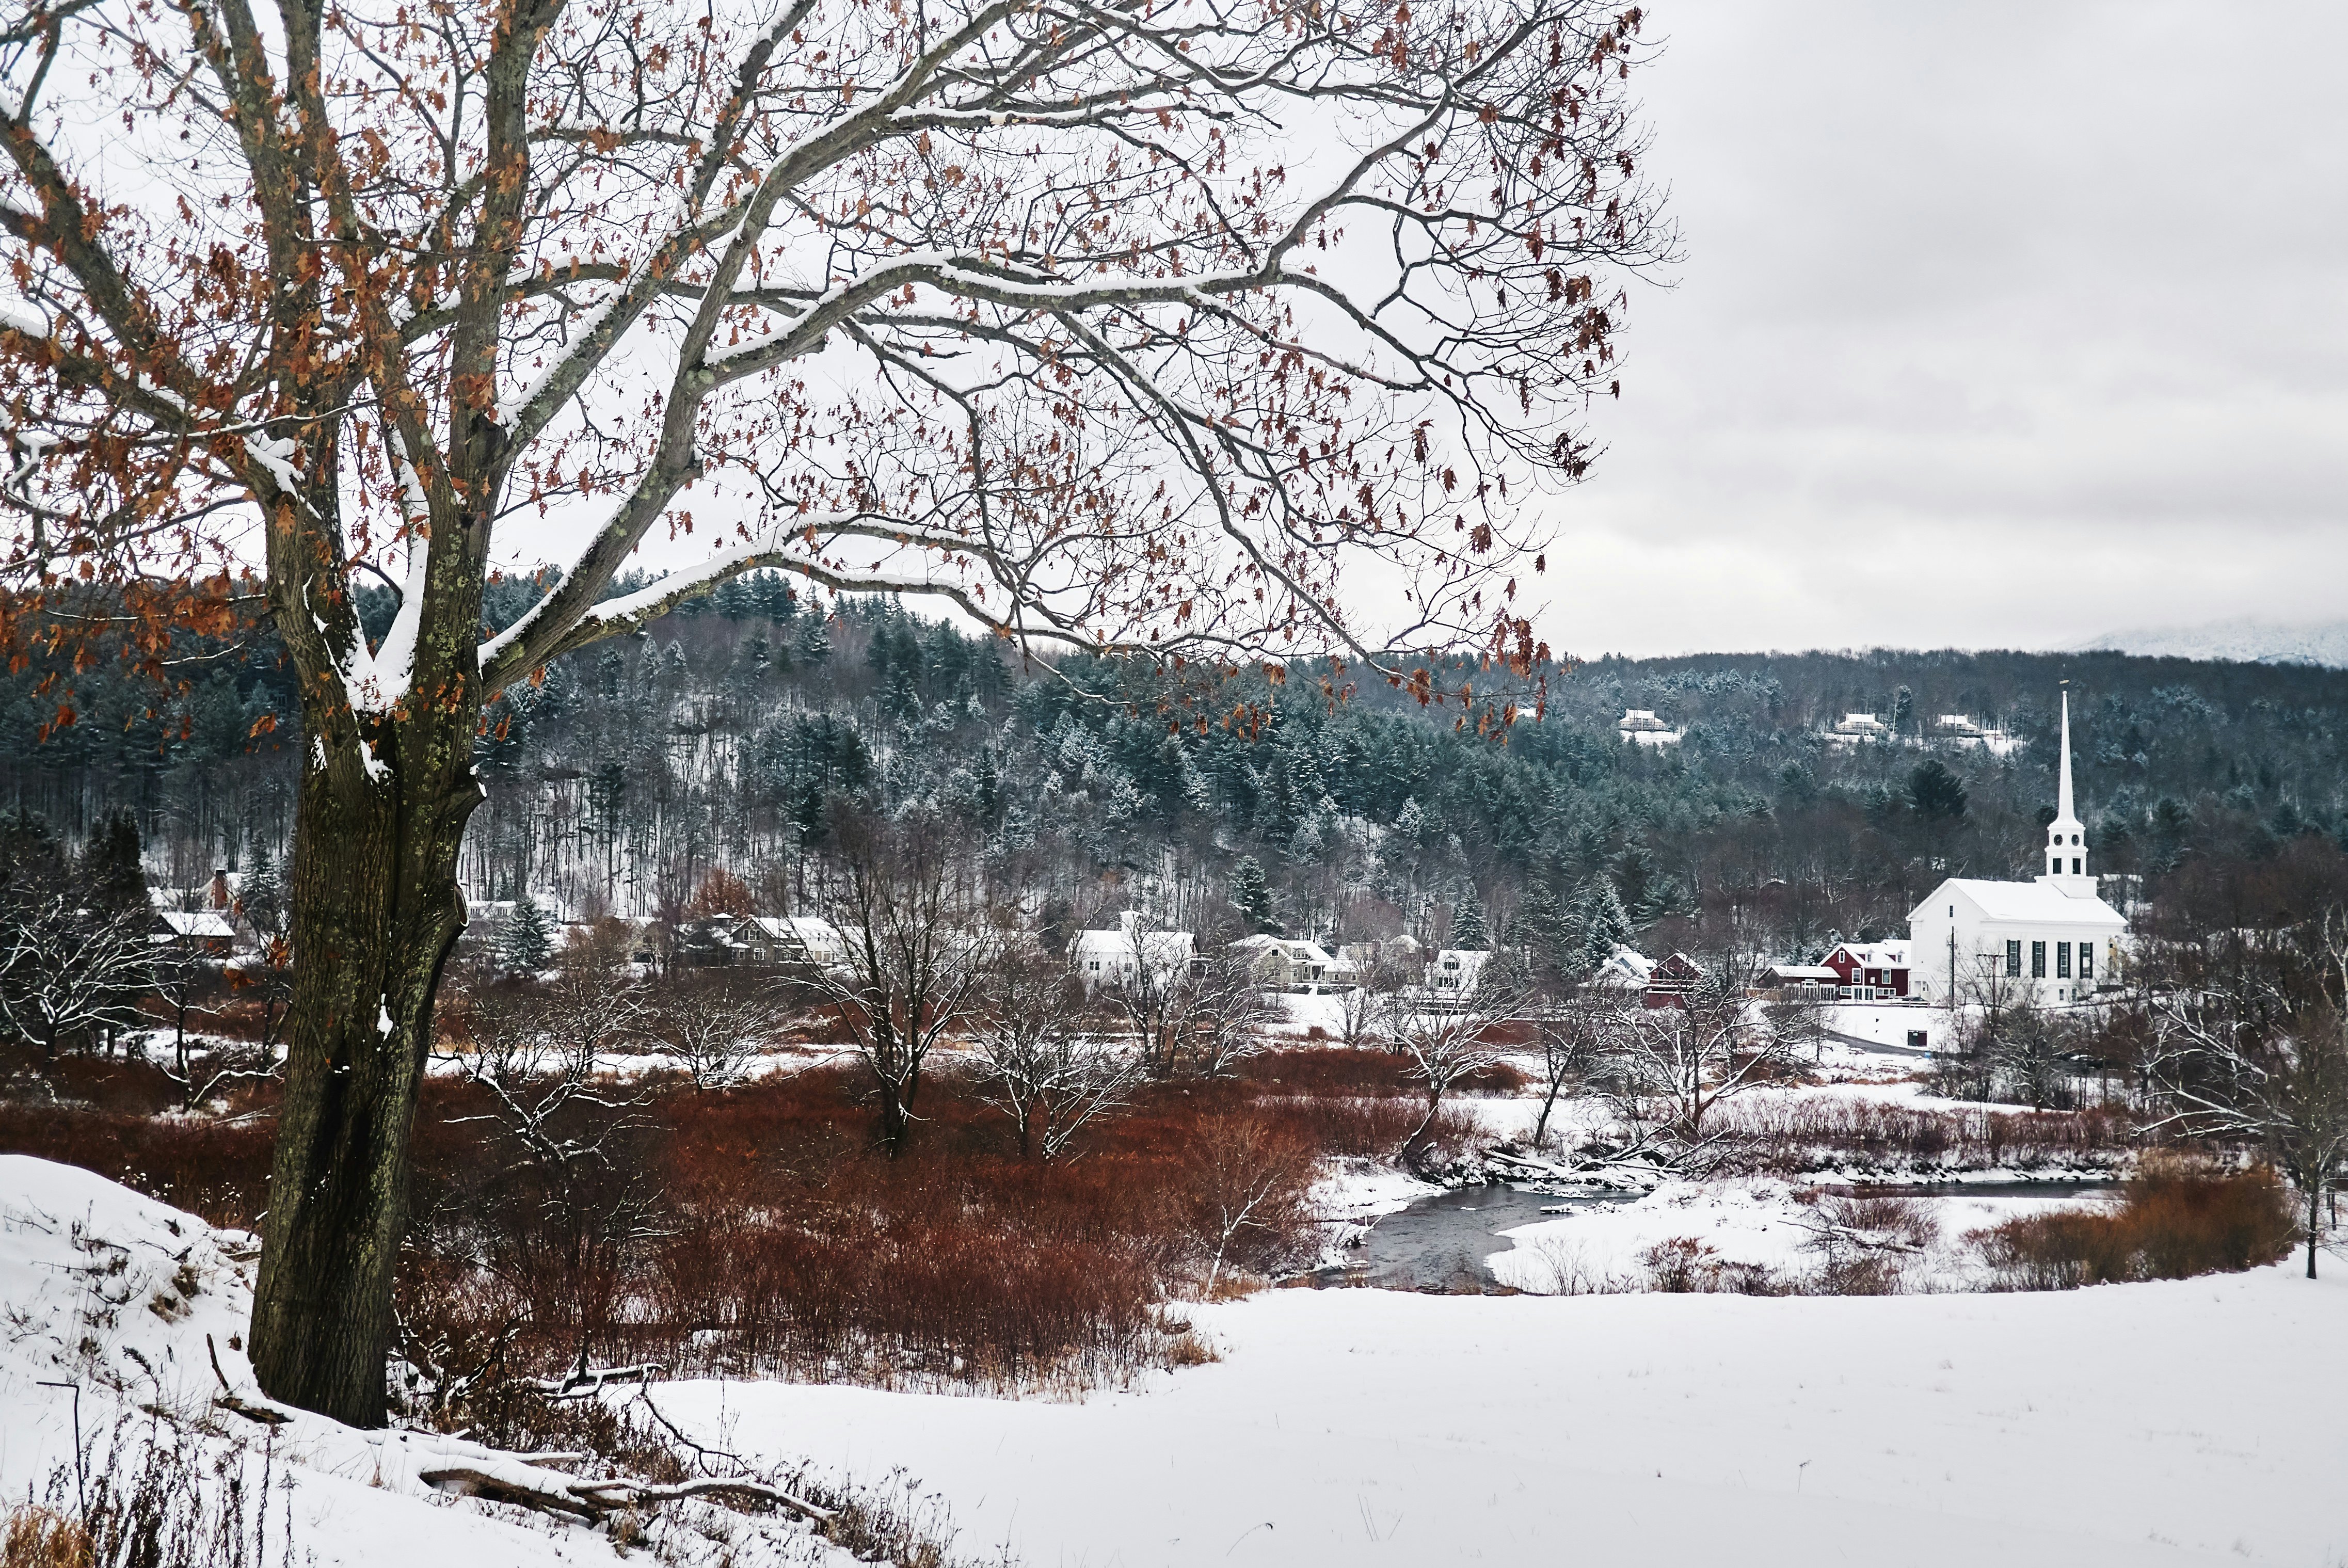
(42, 1537)
(2174, 1220)
(1804, 1137)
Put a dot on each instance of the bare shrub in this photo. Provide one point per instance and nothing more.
(1680, 1265)
(1902, 1222)
(1562, 1267)
(1798, 1136)
(152, 1496)
(1244, 1196)
(1035, 1066)
(2174, 1220)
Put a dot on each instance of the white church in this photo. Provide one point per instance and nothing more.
(2054, 933)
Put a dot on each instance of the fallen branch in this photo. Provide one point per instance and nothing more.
(591, 1380)
(545, 1492)
(1873, 1241)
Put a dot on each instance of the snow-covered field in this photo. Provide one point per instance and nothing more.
(2196, 1423)
(2191, 1422)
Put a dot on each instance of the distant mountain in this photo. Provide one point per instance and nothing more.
(2247, 640)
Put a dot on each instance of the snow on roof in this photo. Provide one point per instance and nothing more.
(2034, 903)
(1877, 954)
(1804, 971)
(203, 923)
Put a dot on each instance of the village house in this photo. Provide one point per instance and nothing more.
(1287, 963)
(209, 934)
(2053, 937)
(1857, 726)
(1671, 981)
(1109, 957)
(1639, 724)
(1870, 971)
(1799, 983)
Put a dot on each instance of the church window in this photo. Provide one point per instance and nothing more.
(2074, 865)
(2061, 961)
(2053, 865)
(2038, 961)
(2075, 838)
(2013, 958)
(2087, 960)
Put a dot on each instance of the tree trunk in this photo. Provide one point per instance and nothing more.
(2314, 1221)
(375, 911)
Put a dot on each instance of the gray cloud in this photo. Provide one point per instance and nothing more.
(1999, 323)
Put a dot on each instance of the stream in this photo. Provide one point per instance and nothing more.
(1440, 1243)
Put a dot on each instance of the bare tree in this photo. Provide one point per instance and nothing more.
(66, 970)
(1246, 1185)
(1448, 1036)
(1361, 1011)
(716, 1037)
(573, 1130)
(1155, 988)
(1672, 1068)
(1037, 1065)
(1030, 306)
(918, 945)
(2249, 1042)
(1572, 1031)
(1227, 1016)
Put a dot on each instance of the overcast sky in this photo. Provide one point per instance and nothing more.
(1999, 326)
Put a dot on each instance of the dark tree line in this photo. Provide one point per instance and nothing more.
(721, 738)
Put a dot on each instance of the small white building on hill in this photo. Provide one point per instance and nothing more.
(2053, 935)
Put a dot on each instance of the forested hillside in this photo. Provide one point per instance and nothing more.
(717, 741)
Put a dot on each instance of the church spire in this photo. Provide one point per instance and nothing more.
(2066, 836)
(2063, 812)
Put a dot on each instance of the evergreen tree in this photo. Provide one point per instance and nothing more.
(1252, 896)
(111, 875)
(1543, 929)
(1934, 792)
(30, 854)
(261, 898)
(526, 940)
(1468, 931)
(1604, 924)
(812, 641)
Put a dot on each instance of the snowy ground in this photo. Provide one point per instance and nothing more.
(2196, 1423)
(131, 1303)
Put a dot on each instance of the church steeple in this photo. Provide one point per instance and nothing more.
(2066, 836)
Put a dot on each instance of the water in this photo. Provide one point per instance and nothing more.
(1440, 1243)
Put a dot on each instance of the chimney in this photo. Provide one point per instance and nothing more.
(219, 887)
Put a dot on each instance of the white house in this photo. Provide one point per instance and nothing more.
(2054, 934)
(1455, 969)
(1287, 963)
(1625, 969)
(1639, 724)
(1104, 957)
(1853, 727)
(793, 939)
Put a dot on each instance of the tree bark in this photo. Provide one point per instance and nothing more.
(376, 911)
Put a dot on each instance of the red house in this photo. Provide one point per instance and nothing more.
(1871, 971)
(1669, 982)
